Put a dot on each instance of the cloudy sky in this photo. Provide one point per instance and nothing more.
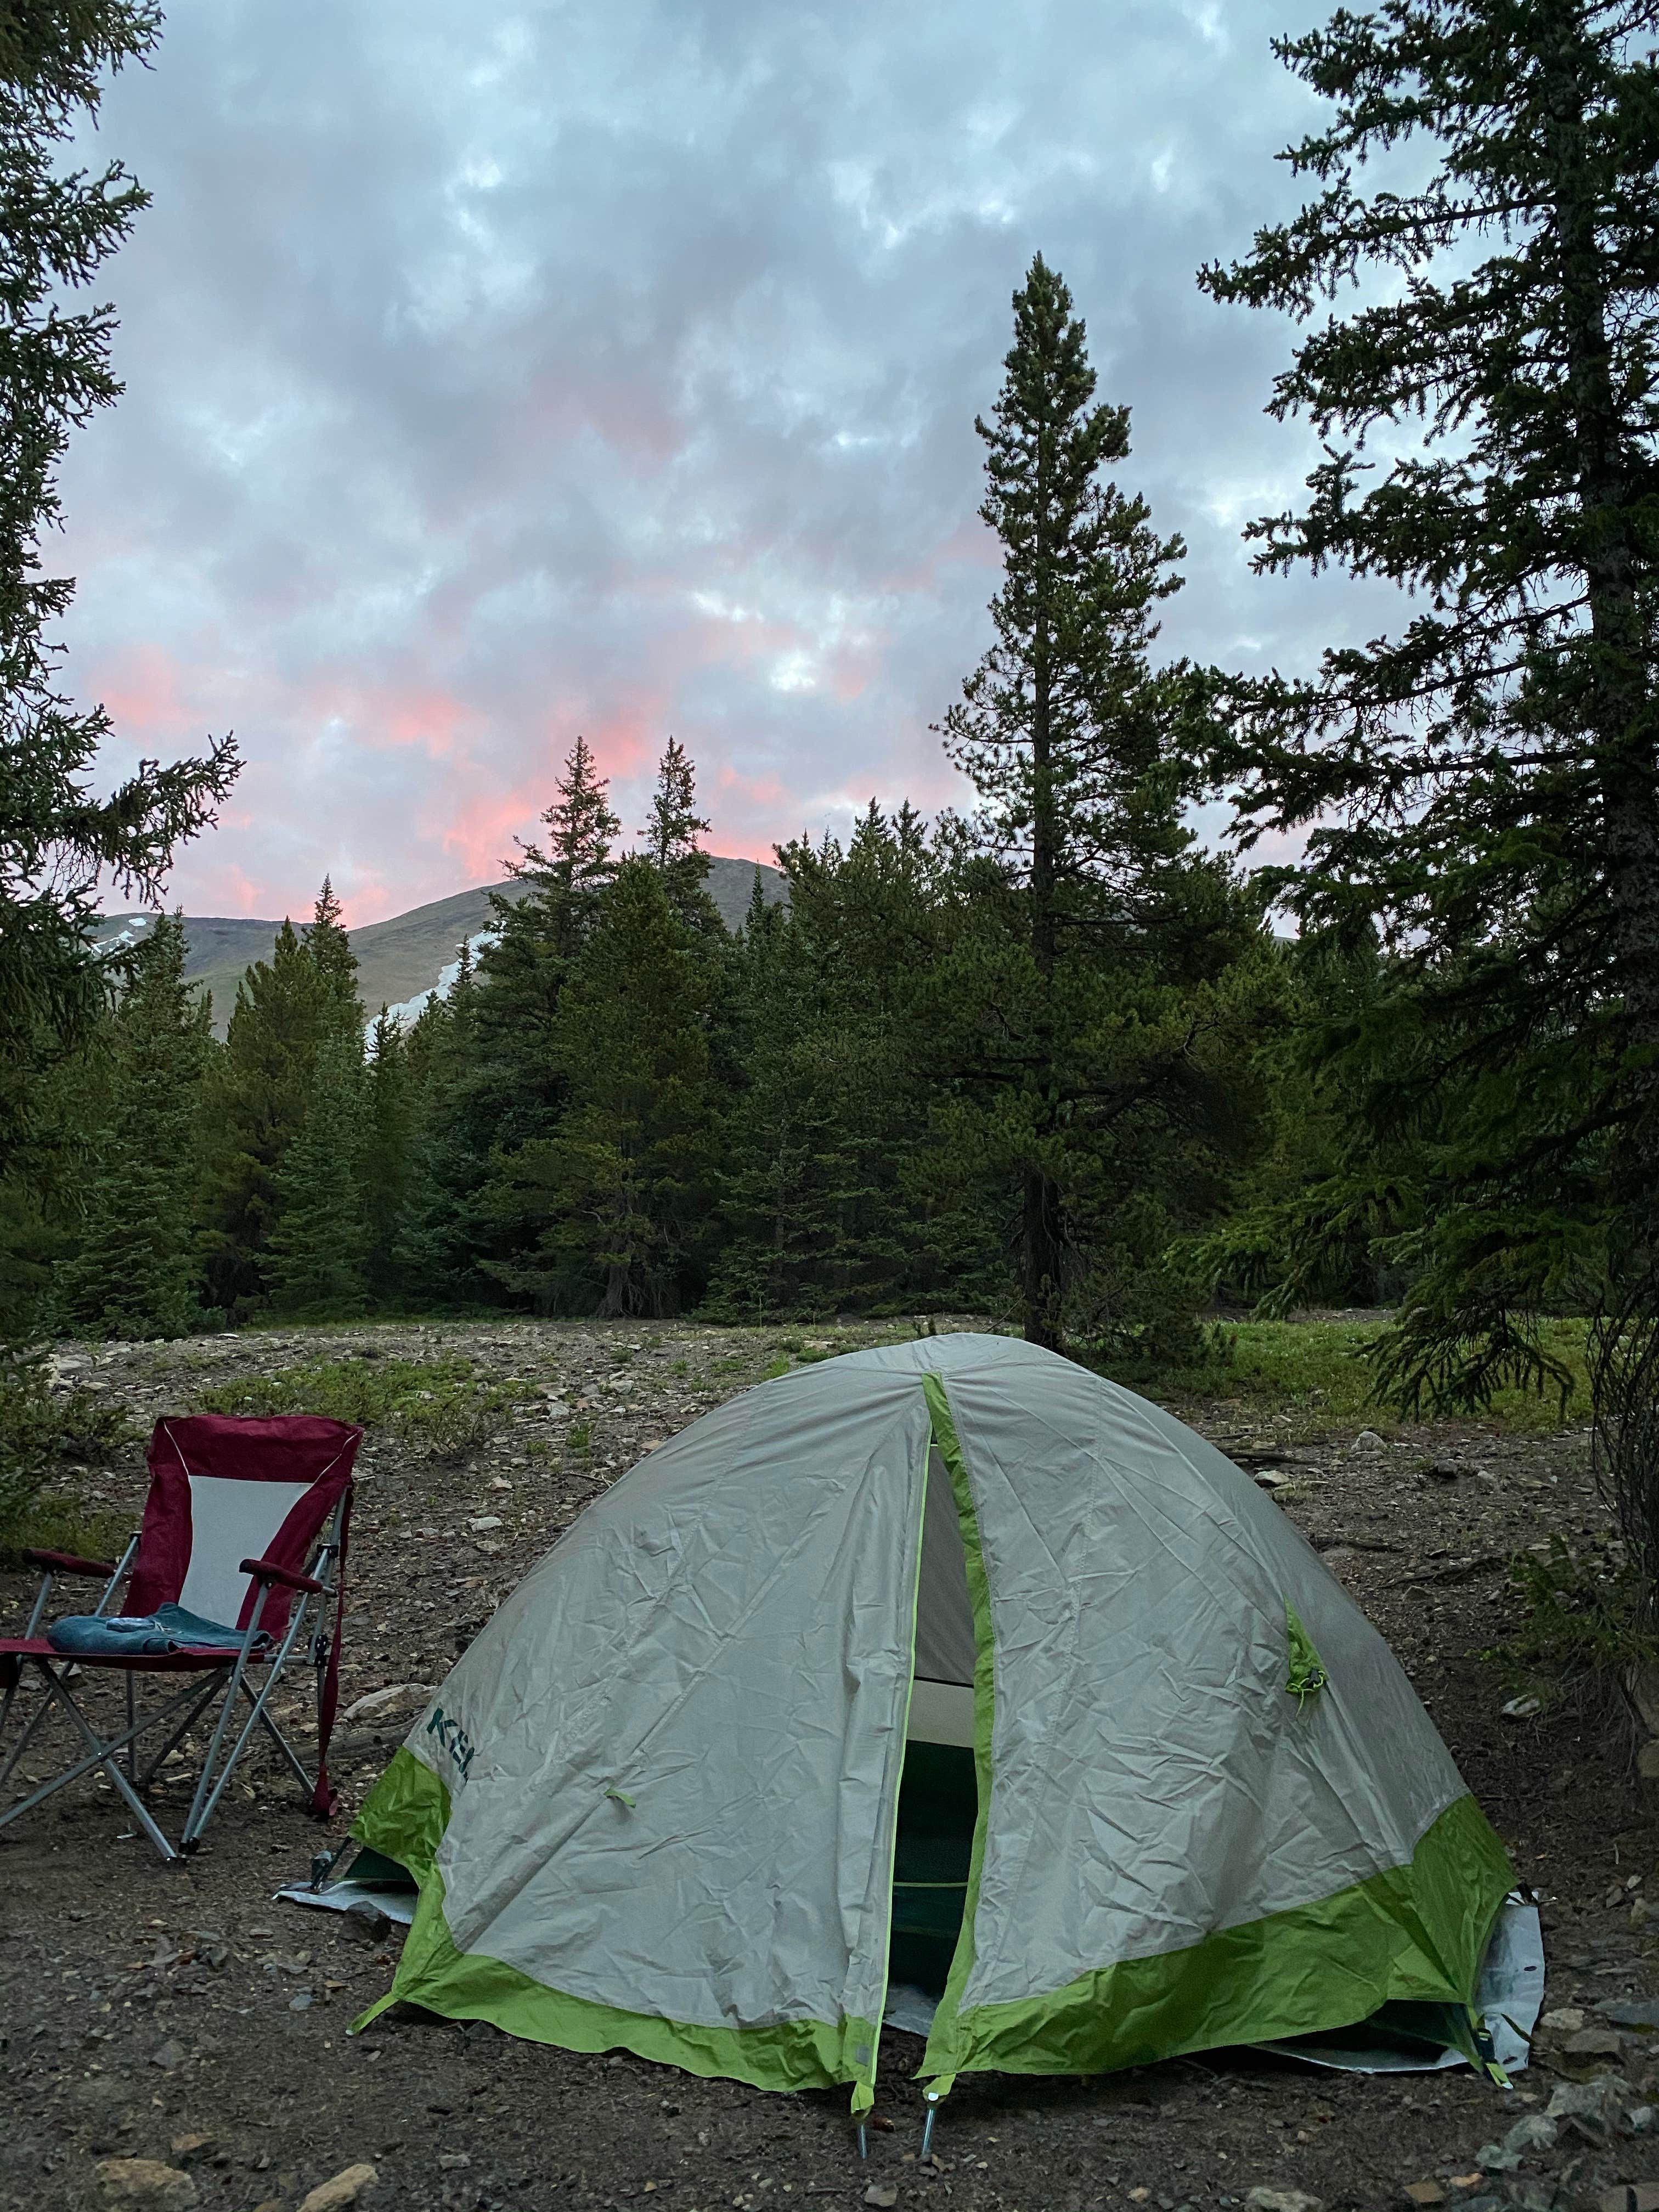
(498, 373)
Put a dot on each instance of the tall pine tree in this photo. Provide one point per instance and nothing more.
(672, 843)
(445, 1226)
(618, 1198)
(264, 1083)
(1077, 1033)
(315, 1257)
(135, 1274)
(387, 1162)
(1483, 783)
(59, 835)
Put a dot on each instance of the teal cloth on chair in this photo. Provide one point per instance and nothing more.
(145, 1635)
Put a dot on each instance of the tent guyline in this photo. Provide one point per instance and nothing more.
(946, 1685)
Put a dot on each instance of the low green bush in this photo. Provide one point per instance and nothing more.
(1577, 1641)
(1319, 1373)
(439, 1408)
(43, 1431)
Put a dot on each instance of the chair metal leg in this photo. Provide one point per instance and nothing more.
(209, 1791)
(305, 1780)
(29, 1727)
(214, 1683)
(105, 1753)
(112, 1766)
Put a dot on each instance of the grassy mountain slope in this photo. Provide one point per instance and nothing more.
(398, 959)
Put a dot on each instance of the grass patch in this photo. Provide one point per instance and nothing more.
(62, 1522)
(43, 1433)
(440, 1408)
(1318, 1373)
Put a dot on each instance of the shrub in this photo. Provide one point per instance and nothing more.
(441, 1408)
(1578, 1643)
(40, 1433)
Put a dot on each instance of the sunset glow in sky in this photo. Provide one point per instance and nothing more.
(499, 372)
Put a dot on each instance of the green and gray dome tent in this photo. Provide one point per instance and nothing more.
(692, 1786)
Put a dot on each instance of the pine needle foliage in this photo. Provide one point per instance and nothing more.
(618, 1198)
(136, 1273)
(1482, 784)
(315, 1257)
(59, 840)
(1081, 1019)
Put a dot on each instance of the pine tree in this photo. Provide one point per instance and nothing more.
(538, 929)
(446, 1228)
(619, 1198)
(670, 840)
(260, 1092)
(387, 1164)
(135, 1274)
(563, 886)
(313, 1259)
(328, 947)
(829, 1122)
(1093, 919)
(287, 1010)
(58, 835)
(1485, 781)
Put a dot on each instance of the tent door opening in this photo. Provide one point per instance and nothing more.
(939, 1793)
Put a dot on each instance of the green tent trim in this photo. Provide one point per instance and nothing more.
(1416, 1933)
(944, 2056)
(405, 1817)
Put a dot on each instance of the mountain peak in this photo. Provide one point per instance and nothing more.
(398, 960)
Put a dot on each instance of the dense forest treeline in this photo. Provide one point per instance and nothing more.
(621, 1108)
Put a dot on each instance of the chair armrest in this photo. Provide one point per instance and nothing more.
(267, 1570)
(66, 1563)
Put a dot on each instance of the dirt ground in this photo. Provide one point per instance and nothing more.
(178, 2014)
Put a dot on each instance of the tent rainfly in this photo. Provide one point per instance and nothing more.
(946, 1664)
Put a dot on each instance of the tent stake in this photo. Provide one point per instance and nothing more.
(864, 2142)
(927, 2129)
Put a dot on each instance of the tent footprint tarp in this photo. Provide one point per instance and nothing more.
(656, 1805)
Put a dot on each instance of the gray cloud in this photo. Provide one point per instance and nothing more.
(503, 372)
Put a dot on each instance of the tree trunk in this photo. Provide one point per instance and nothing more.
(1041, 1258)
(1041, 1239)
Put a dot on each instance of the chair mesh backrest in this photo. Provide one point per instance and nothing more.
(222, 1490)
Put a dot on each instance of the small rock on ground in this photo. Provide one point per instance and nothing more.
(1283, 2200)
(143, 2184)
(1594, 2043)
(344, 2189)
(1535, 2132)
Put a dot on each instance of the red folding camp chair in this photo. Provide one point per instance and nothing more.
(245, 1528)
